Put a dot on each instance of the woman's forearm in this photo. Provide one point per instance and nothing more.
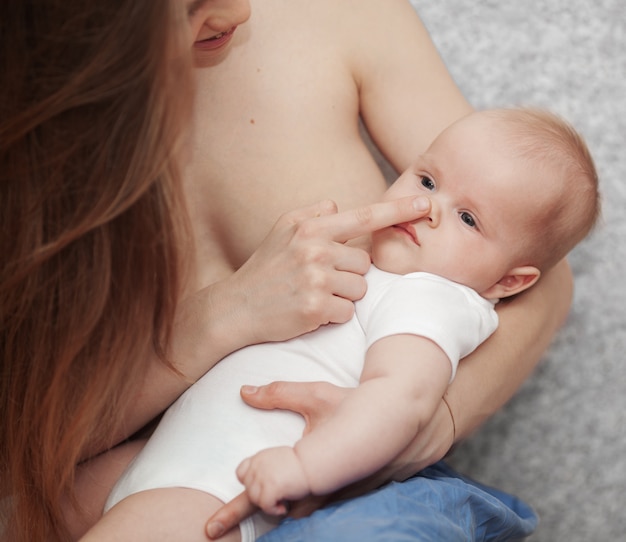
(492, 374)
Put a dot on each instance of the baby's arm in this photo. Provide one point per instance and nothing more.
(403, 380)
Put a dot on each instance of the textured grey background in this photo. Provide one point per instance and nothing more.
(561, 442)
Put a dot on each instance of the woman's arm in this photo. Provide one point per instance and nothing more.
(492, 374)
(407, 96)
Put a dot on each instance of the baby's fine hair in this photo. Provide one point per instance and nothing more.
(559, 152)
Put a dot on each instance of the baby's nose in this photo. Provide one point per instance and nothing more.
(434, 215)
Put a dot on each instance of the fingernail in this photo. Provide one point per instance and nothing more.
(421, 203)
(249, 390)
(215, 529)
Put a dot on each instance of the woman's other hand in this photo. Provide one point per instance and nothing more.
(316, 402)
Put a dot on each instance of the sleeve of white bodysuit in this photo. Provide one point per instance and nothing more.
(451, 315)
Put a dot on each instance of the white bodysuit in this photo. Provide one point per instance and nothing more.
(209, 430)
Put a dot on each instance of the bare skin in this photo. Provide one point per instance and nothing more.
(276, 128)
(286, 132)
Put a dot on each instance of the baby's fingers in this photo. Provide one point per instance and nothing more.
(230, 515)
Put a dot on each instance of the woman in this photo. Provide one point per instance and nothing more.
(94, 100)
(104, 319)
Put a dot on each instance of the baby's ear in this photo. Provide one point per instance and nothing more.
(515, 281)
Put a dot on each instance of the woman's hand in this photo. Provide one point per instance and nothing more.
(316, 402)
(304, 275)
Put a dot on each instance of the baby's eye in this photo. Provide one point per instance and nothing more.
(468, 219)
(428, 183)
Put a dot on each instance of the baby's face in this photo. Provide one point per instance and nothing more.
(481, 198)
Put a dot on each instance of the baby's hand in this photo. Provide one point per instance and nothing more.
(272, 478)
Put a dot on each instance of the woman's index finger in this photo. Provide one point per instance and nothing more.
(350, 224)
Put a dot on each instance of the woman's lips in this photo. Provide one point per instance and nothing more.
(215, 42)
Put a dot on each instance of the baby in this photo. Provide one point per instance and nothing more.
(511, 192)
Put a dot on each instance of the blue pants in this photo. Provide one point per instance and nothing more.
(436, 505)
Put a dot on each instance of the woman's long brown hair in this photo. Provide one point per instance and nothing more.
(93, 98)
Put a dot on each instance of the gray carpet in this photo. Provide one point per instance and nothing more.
(560, 443)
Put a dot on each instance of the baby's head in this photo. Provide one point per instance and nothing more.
(547, 145)
(512, 192)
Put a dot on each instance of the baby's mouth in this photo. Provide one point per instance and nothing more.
(410, 231)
